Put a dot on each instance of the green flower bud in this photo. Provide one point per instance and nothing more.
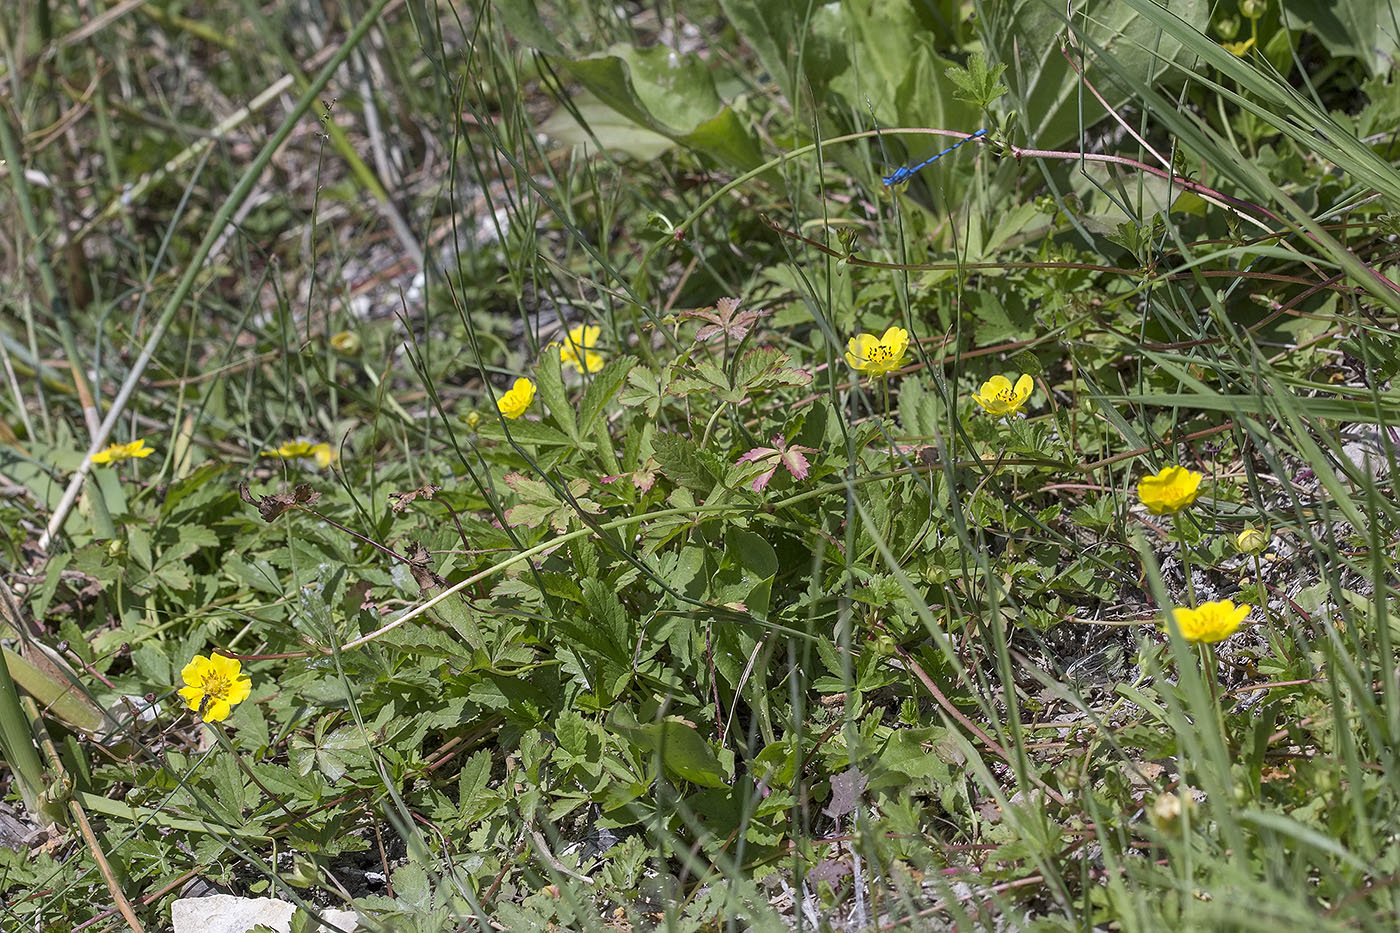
(1252, 540)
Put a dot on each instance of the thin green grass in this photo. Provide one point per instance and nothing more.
(577, 669)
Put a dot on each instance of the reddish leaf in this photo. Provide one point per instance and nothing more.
(725, 319)
(790, 458)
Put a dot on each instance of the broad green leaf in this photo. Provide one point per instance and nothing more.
(746, 573)
(683, 752)
(197, 482)
(1367, 29)
(671, 93)
(687, 755)
(894, 69)
(606, 127)
(1055, 108)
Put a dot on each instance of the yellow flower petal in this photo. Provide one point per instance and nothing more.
(513, 403)
(999, 397)
(866, 353)
(193, 672)
(1238, 49)
(240, 690)
(1210, 622)
(213, 686)
(577, 351)
(584, 336)
(1024, 387)
(1170, 490)
(346, 343)
(113, 453)
(321, 453)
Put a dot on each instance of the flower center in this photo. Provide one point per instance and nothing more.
(1006, 395)
(880, 353)
(216, 685)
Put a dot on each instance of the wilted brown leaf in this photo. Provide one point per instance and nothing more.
(269, 507)
(399, 501)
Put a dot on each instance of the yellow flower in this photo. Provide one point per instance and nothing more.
(295, 450)
(877, 356)
(1000, 397)
(1210, 622)
(1171, 490)
(1252, 540)
(581, 340)
(1239, 49)
(513, 403)
(114, 452)
(346, 343)
(213, 685)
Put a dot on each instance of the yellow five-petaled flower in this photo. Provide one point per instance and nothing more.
(1210, 622)
(578, 351)
(1171, 490)
(296, 450)
(513, 403)
(1000, 397)
(114, 452)
(866, 353)
(213, 686)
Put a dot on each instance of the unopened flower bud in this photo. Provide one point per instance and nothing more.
(1251, 540)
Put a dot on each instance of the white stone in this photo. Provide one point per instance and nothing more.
(225, 913)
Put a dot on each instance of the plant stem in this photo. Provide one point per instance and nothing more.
(1274, 641)
(1180, 528)
(1208, 668)
(885, 392)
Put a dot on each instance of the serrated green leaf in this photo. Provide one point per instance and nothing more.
(684, 463)
(529, 514)
(189, 539)
(533, 433)
(604, 385)
(606, 612)
(644, 388)
(174, 575)
(766, 367)
(549, 377)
